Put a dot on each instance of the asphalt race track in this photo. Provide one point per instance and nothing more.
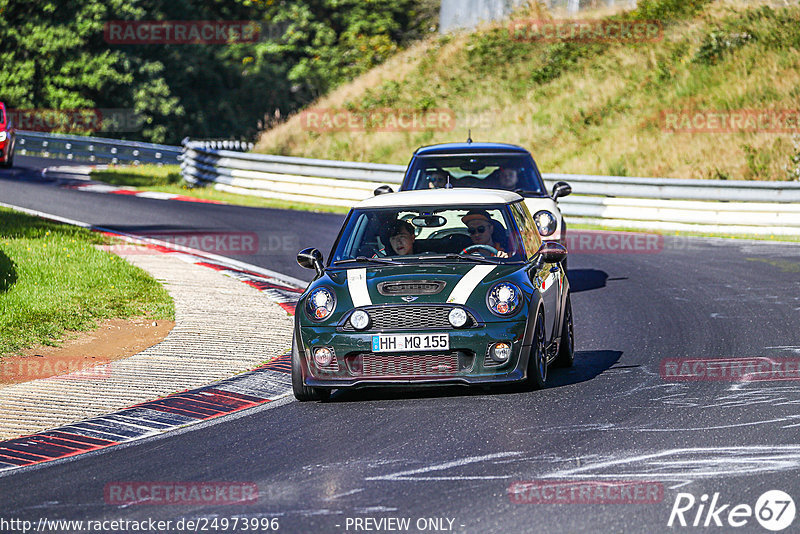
(446, 458)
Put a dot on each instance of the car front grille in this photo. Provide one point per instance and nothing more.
(409, 318)
(409, 365)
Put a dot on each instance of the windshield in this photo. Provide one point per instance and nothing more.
(458, 234)
(510, 172)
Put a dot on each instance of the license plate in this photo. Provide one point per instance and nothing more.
(410, 342)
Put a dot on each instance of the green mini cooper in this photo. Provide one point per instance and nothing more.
(448, 286)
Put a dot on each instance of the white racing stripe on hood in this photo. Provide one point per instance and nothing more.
(357, 285)
(468, 283)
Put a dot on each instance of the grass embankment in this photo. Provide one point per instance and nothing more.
(593, 108)
(167, 179)
(53, 280)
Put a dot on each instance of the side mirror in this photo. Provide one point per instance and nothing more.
(311, 258)
(561, 189)
(382, 190)
(552, 252)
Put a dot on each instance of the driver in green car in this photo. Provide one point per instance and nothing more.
(482, 230)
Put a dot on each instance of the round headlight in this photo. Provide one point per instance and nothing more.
(3, 136)
(545, 222)
(320, 304)
(504, 298)
(323, 356)
(457, 317)
(359, 319)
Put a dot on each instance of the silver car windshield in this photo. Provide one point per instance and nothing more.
(513, 172)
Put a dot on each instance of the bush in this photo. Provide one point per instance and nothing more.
(667, 10)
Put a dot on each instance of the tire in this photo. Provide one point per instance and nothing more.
(566, 348)
(302, 392)
(537, 358)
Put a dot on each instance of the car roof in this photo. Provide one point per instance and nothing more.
(441, 197)
(469, 148)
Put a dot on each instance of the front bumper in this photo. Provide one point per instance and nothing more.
(467, 361)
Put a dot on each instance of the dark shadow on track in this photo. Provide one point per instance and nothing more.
(588, 365)
(586, 279)
(35, 175)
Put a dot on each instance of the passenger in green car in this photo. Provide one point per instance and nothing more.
(402, 238)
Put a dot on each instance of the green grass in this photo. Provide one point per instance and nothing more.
(53, 280)
(167, 179)
(588, 108)
(140, 176)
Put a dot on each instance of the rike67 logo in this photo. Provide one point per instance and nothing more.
(774, 510)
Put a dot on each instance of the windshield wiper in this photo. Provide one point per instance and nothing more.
(470, 257)
(364, 259)
(523, 192)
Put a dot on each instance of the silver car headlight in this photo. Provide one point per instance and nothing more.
(320, 304)
(457, 317)
(504, 299)
(359, 319)
(3, 136)
(545, 222)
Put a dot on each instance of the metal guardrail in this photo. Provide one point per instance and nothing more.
(333, 183)
(720, 206)
(94, 149)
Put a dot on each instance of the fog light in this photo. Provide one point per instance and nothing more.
(359, 320)
(500, 352)
(323, 356)
(457, 317)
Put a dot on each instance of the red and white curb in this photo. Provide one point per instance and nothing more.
(157, 195)
(260, 386)
(84, 171)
